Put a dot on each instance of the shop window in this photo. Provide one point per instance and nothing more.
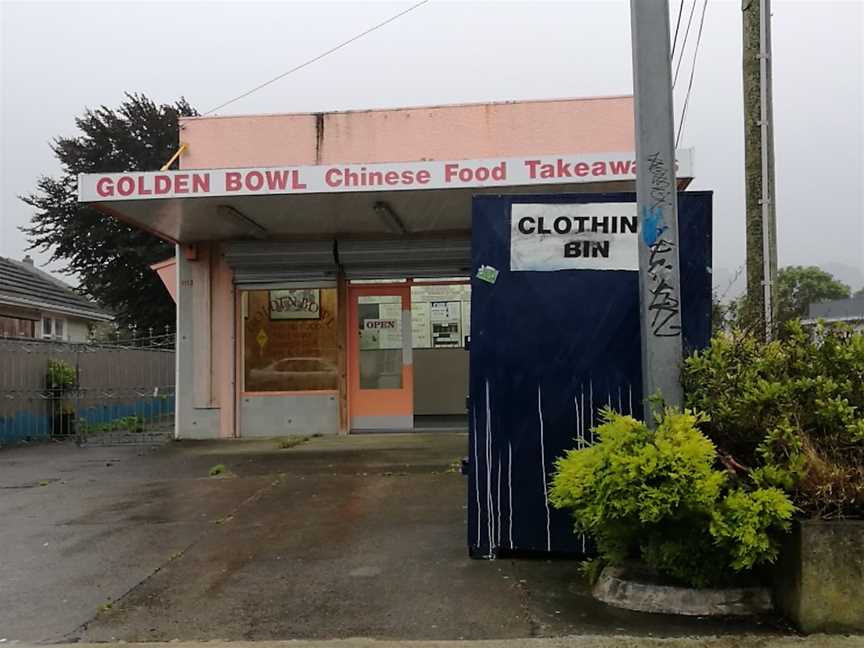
(290, 340)
(440, 316)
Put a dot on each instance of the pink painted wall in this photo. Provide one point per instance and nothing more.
(464, 131)
(167, 271)
(223, 331)
(408, 134)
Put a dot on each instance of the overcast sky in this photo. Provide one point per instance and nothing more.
(58, 58)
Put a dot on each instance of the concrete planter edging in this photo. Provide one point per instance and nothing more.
(819, 579)
(616, 588)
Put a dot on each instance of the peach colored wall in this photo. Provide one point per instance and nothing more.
(222, 350)
(409, 134)
(167, 271)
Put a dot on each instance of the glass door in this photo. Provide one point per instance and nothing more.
(381, 379)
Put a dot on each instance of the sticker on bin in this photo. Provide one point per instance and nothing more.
(487, 274)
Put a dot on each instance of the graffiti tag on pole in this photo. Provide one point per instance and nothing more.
(664, 307)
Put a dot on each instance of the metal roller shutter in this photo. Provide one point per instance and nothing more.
(398, 258)
(261, 262)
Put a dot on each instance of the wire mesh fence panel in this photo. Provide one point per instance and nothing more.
(99, 393)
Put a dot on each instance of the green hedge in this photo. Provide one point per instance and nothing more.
(789, 413)
(658, 496)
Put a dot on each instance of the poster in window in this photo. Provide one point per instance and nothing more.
(295, 304)
(446, 324)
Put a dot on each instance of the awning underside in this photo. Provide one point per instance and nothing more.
(360, 214)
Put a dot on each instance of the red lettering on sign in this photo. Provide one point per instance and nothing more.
(563, 169)
(105, 187)
(333, 178)
(232, 181)
(277, 180)
(201, 183)
(161, 184)
(254, 180)
(125, 186)
(181, 183)
(620, 167)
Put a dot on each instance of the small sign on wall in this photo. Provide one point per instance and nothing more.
(293, 304)
(589, 236)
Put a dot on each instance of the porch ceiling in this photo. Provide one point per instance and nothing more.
(350, 214)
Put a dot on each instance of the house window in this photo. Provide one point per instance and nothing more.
(53, 328)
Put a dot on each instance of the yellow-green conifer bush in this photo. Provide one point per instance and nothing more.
(662, 497)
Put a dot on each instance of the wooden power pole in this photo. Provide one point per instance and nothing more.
(759, 167)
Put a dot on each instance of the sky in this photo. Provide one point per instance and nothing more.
(56, 59)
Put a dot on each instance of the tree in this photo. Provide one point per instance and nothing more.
(111, 258)
(799, 286)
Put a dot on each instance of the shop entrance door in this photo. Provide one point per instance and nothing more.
(380, 367)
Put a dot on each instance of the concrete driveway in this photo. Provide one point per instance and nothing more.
(361, 536)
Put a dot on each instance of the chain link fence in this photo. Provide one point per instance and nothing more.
(111, 392)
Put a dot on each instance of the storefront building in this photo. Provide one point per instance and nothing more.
(322, 259)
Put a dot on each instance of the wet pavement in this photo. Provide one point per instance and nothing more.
(361, 536)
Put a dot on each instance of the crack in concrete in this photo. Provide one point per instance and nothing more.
(535, 626)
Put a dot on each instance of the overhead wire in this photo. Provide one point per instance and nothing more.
(692, 74)
(684, 43)
(312, 60)
(677, 25)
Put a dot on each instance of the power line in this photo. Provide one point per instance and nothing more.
(317, 58)
(677, 25)
(692, 73)
(684, 43)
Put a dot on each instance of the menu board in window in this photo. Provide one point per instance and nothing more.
(446, 324)
(420, 325)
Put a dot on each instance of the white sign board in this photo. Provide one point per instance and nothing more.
(390, 176)
(420, 328)
(589, 236)
(381, 334)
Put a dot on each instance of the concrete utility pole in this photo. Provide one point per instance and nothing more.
(657, 203)
(759, 166)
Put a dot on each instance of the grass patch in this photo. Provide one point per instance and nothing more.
(290, 442)
(455, 466)
(218, 469)
(105, 607)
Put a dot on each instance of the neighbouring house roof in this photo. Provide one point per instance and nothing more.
(24, 285)
(839, 309)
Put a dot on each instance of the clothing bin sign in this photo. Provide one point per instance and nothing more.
(590, 236)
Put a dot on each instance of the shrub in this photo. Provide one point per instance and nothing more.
(656, 495)
(60, 375)
(789, 413)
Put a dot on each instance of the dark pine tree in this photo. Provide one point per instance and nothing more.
(111, 258)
